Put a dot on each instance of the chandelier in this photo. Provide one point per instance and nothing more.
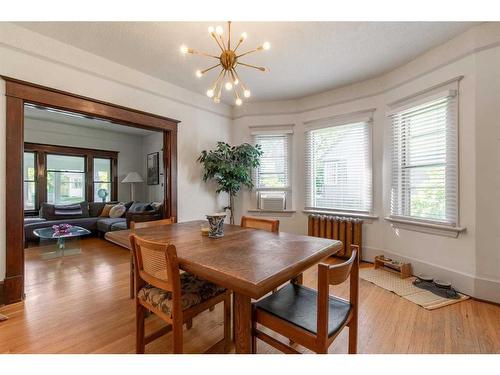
(228, 60)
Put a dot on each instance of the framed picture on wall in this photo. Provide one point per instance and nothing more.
(153, 168)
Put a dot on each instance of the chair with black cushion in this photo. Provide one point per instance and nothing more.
(308, 317)
(174, 297)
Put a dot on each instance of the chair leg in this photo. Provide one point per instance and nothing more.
(177, 337)
(139, 329)
(227, 323)
(132, 289)
(353, 336)
(189, 324)
(254, 336)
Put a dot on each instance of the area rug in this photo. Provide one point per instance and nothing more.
(405, 288)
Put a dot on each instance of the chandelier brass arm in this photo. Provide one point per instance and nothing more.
(228, 61)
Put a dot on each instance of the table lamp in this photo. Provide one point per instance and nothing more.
(132, 178)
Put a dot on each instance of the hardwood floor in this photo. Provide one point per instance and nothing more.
(80, 304)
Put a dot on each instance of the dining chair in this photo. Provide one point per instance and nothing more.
(174, 297)
(308, 317)
(269, 225)
(139, 225)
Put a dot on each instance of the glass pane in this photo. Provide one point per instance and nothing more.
(102, 191)
(427, 192)
(29, 166)
(29, 195)
(65, 163)
(65, 187)
(102, 170)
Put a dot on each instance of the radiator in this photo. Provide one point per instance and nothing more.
(344, 229)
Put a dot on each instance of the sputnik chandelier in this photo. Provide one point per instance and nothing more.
(228, 60)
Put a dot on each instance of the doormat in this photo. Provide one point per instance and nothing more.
(405, 288)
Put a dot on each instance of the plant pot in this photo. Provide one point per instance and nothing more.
(216, 223)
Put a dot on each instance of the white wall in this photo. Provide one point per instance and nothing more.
(129, 146)
(34, 58)
(153, 143)
(471, 261)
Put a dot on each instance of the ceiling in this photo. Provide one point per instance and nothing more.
(80, 120)
(305, 57)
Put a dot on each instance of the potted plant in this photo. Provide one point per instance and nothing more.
(231, 168)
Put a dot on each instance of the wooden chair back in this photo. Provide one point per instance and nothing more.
(153, 223)
(334, 275)
(270, 225)
(156, 264)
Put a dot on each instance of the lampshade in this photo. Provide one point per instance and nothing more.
(133, 177)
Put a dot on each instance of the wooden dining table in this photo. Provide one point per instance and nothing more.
(249, 262)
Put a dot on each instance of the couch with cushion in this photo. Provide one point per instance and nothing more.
(98, 217)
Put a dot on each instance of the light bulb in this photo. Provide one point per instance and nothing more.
(238, 101)
(228, 86)
(184, 49)
(247, 93)
(219, 30)
(266, 45)
(199, 74)
(210, 93)
(244, 36)
(211, 29)
(236, 81)
(216, 99)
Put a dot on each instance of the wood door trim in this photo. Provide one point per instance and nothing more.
(19, 93)
(46, 96)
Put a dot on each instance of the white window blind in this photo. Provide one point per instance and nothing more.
(338, 168)
(273, 171)
(424, 161)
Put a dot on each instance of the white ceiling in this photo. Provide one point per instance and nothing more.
(79, 120)
(305, 57)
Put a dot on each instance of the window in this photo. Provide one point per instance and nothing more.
(29, 180)
(338, 168)
(424, 160)
(273, 170)
(65, 179)
(102, 180)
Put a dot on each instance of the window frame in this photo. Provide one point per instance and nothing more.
(110, 182)
(34, 210)
(281, 130)
(450, 226)
(42, 150)
(365, 117)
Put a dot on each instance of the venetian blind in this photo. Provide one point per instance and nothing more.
(338, 168)
(424, 160)
(273, 169)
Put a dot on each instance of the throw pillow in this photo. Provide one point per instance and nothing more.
(117, 211)
(106, 209)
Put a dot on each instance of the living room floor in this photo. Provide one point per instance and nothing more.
(80, 304)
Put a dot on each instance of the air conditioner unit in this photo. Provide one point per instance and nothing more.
(272, 201)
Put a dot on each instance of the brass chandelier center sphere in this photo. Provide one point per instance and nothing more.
(228, 59)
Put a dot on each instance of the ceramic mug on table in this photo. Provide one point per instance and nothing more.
(216, 222)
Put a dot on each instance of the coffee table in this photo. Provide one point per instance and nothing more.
(62, 247)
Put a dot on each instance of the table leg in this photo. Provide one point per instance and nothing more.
(243, 324)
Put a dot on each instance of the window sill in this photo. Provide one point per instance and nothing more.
(257, 211)
(423, 227)
(342, 213)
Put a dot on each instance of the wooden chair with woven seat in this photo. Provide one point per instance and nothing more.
(139, 225)
(311, 318)
(174, 297)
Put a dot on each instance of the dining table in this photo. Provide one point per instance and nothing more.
(249, 262)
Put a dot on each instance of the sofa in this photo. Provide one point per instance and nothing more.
(87, 215)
